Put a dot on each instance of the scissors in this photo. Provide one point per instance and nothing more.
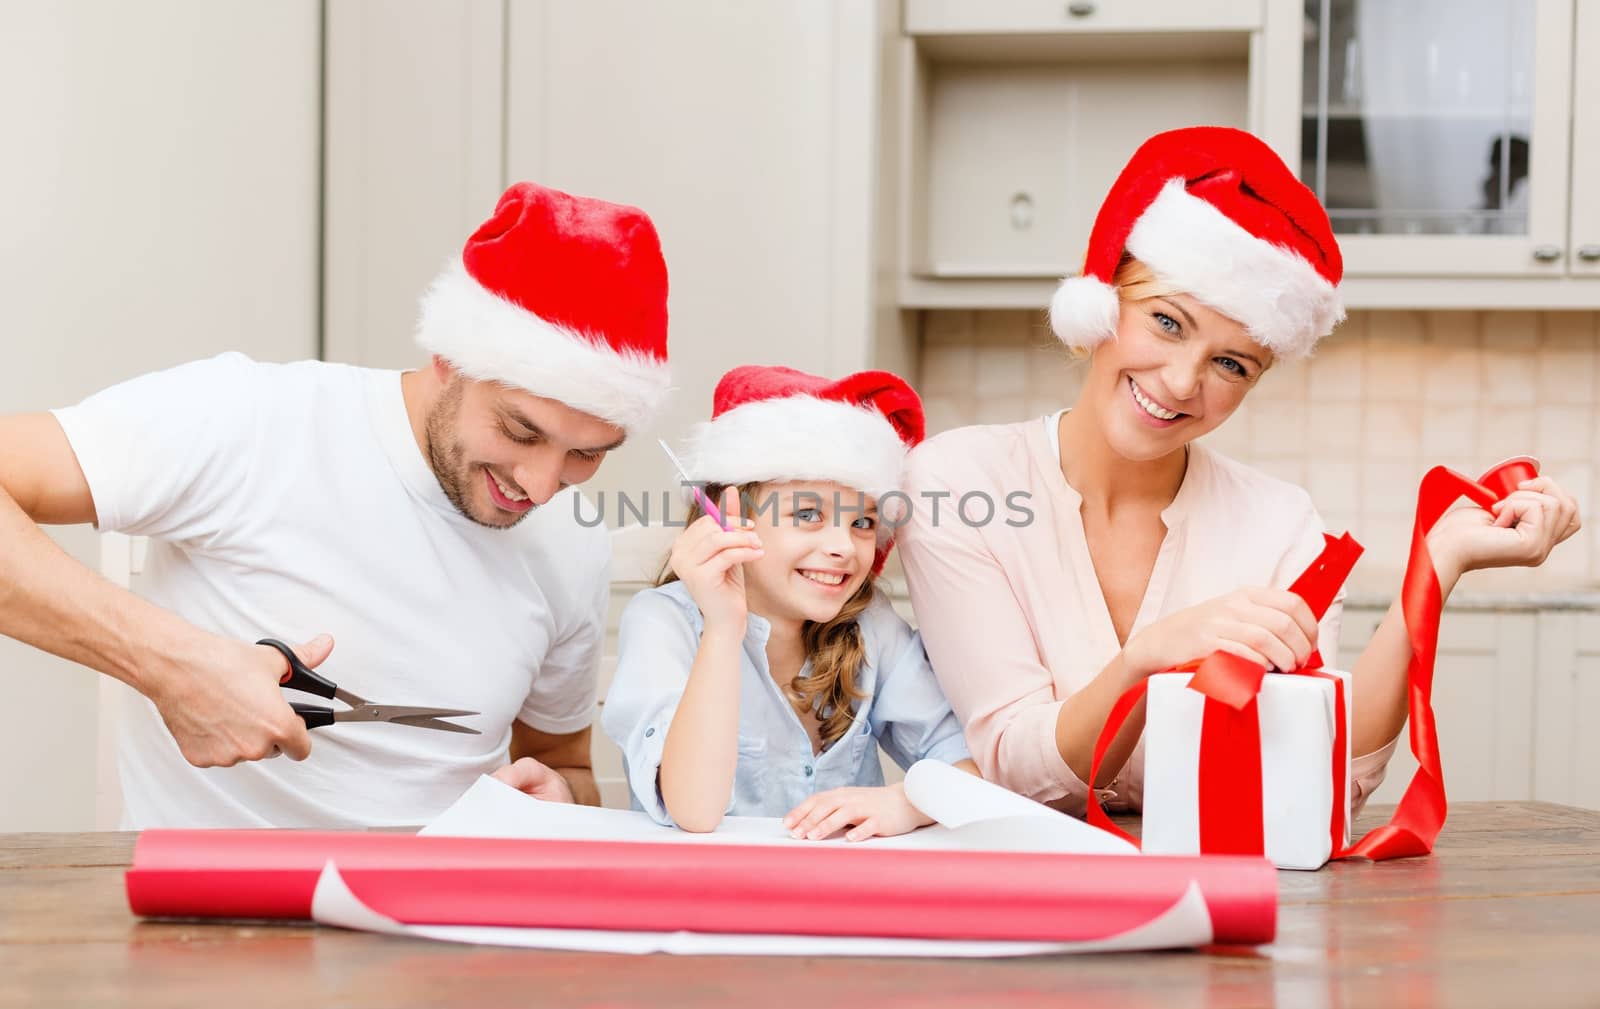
(302, 677)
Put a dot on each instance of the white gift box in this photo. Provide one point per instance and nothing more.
(1298, 731)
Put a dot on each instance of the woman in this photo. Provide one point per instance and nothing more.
(1208, 263)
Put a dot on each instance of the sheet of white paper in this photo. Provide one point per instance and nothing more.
(993, 818)
(1186, 924)
(972, 815)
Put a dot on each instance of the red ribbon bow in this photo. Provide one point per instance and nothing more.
(1229, 783)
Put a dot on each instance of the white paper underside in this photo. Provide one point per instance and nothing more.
(972, 815)
(1186, 923)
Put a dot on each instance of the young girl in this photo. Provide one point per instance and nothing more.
(1208, 262)
(757, 677)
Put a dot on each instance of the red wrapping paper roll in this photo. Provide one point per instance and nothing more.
(635, 886)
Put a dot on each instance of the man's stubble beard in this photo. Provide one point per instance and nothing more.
(447, 458)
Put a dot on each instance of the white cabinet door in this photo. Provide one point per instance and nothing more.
(413, 156)
(1567, 728)
(745, 130)
(1437, 132)
(969, 17)
(1585, 237)
(1019, 156)
(1483, 700)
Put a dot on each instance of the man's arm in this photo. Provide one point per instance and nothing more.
(50, 601)
(566, 753)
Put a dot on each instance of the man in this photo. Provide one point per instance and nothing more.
(424, 518)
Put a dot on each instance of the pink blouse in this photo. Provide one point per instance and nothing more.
(1012, 613)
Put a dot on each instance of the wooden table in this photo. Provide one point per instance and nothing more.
(1505, 914)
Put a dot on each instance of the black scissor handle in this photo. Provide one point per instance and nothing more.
(300, 676)
(314, 715)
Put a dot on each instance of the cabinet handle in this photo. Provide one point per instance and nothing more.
(1021, 211)
(1080, 8)
(1547, 253)
(1589, 253)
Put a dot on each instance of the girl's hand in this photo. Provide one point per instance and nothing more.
(875, 812)
(1520, 532)
(1271, 627)
(707, 560)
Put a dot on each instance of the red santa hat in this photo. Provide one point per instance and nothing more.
(776, 424)
(564, 296)
(1219, 216)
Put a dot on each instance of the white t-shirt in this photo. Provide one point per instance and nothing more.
(288, 500)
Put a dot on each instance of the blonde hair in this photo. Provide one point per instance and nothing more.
(1135, 281)
(834, 647)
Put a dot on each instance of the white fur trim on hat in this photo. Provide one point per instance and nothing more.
(798, 438)
(1084, 312)
(488, 338)
(1272, 291)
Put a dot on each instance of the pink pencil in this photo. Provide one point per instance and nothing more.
(699, 495)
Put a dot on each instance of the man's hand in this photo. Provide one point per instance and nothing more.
(530, 777)
(566, 754)
(228, 708)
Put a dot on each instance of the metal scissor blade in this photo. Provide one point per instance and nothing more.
(425, 718)
(435, 723)
(354, 700)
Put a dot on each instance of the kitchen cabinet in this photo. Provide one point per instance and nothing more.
(1442, 136)
(1016, 117)
(1456, 143)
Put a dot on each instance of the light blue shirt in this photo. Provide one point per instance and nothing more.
(904, 711)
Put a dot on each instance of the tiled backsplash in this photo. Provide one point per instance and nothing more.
(1386, 396)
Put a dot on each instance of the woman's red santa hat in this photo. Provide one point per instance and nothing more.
(563, 296)
(1215, 213)
(772, 424)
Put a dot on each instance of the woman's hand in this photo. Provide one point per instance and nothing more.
(1272, 627)
(874, 812)
(707, 560)
(1521, 531)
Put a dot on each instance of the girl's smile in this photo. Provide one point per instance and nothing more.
(826, 581)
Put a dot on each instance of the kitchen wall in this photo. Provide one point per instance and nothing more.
(1388, 395)
(158, 203)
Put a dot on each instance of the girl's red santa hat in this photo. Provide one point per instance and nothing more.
(776, 425)
(563, 296)
(1215, 213)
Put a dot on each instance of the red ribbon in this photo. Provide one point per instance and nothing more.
(1229, 782)
(1420, 816)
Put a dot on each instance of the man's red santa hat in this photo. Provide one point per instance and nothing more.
(563, 296)
(773, 424)
(1218, 216)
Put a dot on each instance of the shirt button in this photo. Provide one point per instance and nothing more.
(808, 770)
(649, 732)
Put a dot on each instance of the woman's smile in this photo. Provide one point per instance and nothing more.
(1150, 410)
